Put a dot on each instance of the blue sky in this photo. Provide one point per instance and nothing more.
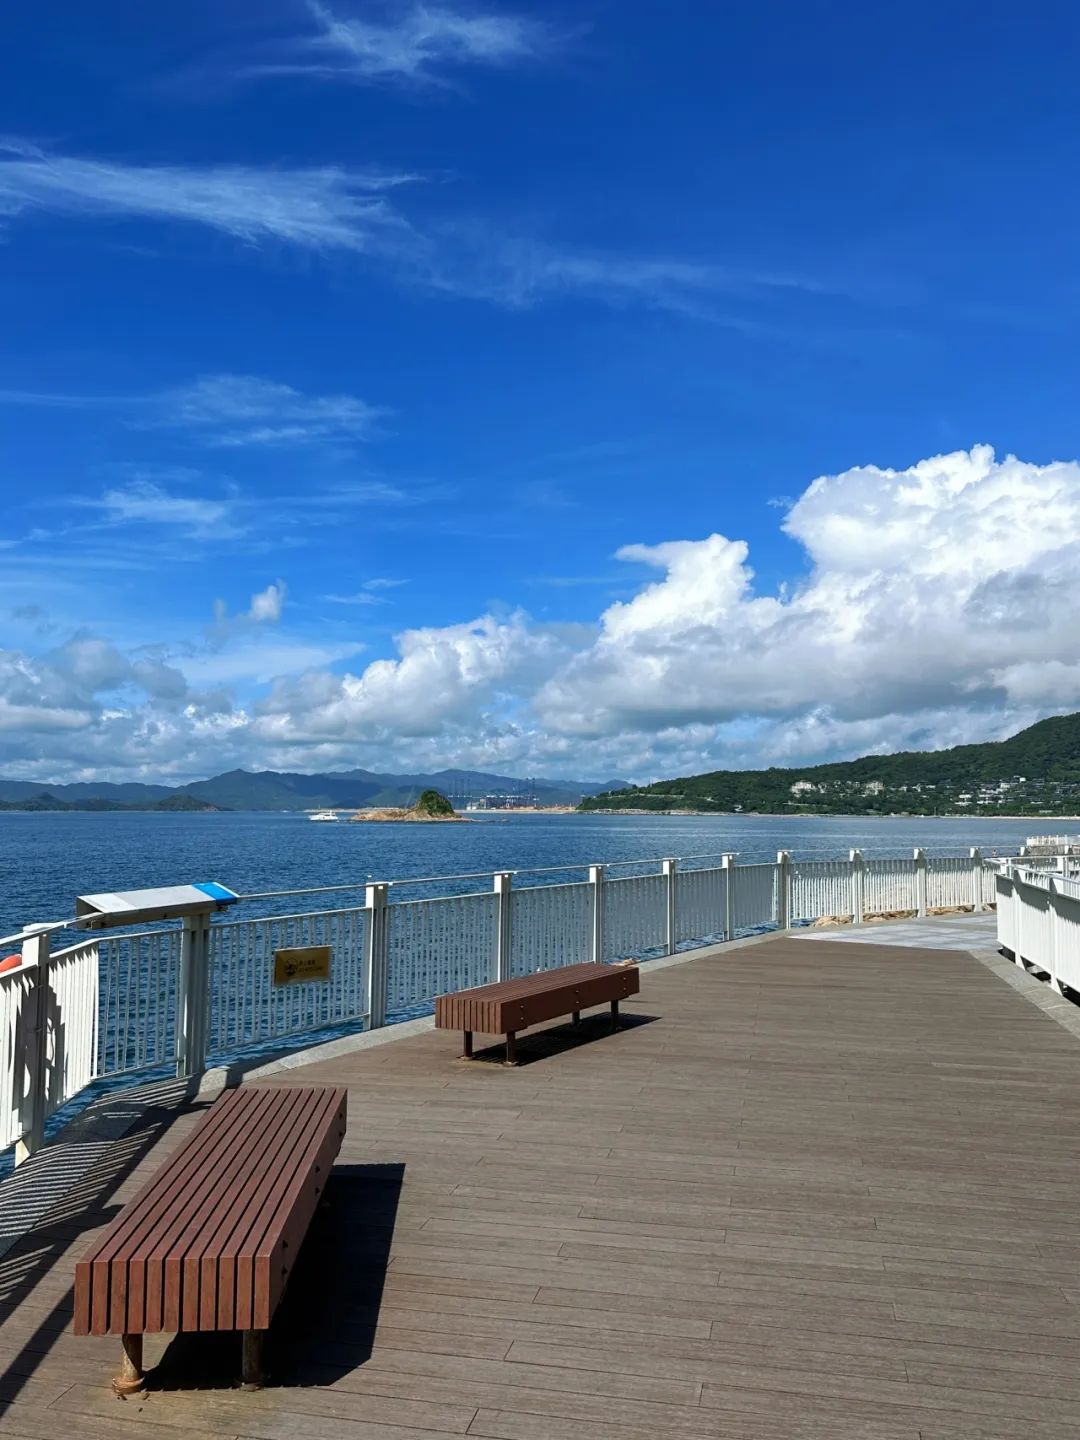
(596, 389)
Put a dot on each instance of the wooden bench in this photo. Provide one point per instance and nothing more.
(510, 1006)
(209, 1243)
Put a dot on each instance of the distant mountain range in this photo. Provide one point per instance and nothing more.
(1035, 772)
(275, 790)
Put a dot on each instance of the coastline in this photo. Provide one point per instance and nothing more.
(823, 815)
(404, 817)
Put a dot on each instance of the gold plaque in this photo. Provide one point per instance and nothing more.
(301, 965)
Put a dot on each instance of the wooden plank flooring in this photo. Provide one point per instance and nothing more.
(824, 1191)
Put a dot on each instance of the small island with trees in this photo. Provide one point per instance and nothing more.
(431, 807)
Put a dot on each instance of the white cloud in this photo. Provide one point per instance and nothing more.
(441, 677)
(266, 605)
(939, 606)
(371, 592)
(225, 411)
(318, 209)
(265, 608)
(416, 43)
(333, 209)
(927, 584)
(258, 660)
(480, 263)
(243, 410)
(143, 502)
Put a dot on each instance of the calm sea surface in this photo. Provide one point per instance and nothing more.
(48, 859)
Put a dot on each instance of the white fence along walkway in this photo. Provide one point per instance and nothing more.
(125, 1004)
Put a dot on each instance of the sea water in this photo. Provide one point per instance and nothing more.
(47, 858)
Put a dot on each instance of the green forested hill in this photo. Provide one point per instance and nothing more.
(1034, 772)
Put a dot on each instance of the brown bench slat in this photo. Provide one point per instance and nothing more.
(509, 1006)
(134, 1222)
(197, 1172)
(164, 1289)
(212, 1281)
(281, 1241)
(273, 1147)
(242, 1179)
(266, 1219)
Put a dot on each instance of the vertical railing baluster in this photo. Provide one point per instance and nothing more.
(920, 882)
(503, 921)
(783, 890)
(596, 881)
(33, 1063)
(855, 860)
(976, 880)
(671, 905)
(727, 864)
(376, 957)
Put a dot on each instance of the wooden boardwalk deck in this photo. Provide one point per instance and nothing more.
(814, 1190)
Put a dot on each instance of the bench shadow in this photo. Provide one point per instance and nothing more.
(534, 1046)
(324, 1328)
(66, 1190)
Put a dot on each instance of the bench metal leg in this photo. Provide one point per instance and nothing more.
(467, 1052)
(511, 1047)
(251, 1363)
(575, 1018)
(614, 1014)
(132, 1377)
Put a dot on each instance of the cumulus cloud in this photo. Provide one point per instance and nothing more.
(938, 606)
(441, 678)
(66, 688)
(898, 614)
(266, 605)
(265, 608)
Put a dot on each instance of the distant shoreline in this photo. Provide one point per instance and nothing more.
(831, 815)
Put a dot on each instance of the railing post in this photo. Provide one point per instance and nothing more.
(193, 998)
(920, 881)
(976, 879)
(727, 864)
(503, 911)
(855, 859)
(34, 1077)
(1054, 917)
(783, 890)
(377, 952)
(671, 900)
(596, 880)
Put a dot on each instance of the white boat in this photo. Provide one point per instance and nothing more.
(323, 815)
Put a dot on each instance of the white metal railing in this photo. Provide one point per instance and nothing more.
(1038, 921)
(138, 987)
(48, 1035)
(247, 1009)
(119, 1004)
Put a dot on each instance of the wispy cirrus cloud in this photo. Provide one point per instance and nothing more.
(323, 208)
(519, 272)
(412, 44)
(143, 502)
(245, 410)
(228, 411)
(371, 592)
(332, 208)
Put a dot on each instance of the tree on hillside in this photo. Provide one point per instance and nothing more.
(432, 802)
